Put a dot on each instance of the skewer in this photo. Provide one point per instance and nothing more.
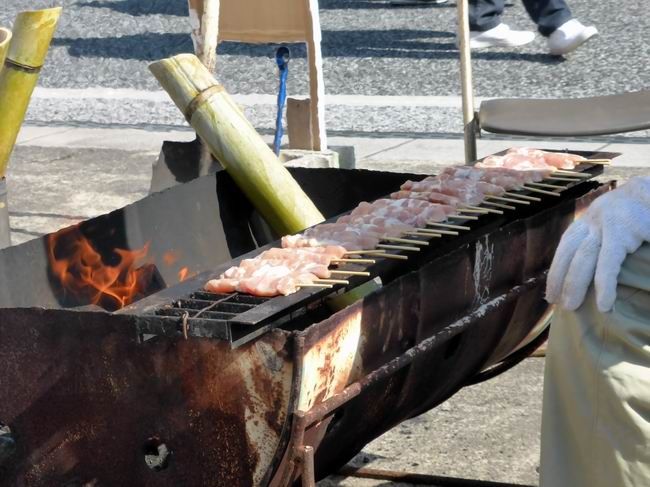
(572, 173)
(482, 211)
(462, 217)
(491, 210)
(332, 281)
(359, 252)
(541, 191)
(354, 261)
(510, 200)
(523, 196)
(405, 241)
(570, 180)
(550, 186)
(604, 162)
(309, 284)
(445, 232)
(498, 205)
(350, 273)
(448, 225)
(423, 233)
(393, 256)
(399, 247)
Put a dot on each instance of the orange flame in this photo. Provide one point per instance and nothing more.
(183, 274)
(82, 272)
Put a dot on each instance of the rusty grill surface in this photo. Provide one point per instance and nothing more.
(239, 318)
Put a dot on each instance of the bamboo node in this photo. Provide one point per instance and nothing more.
(200, 99)
(10, 63)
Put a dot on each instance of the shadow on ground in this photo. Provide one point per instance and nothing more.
(394, 43)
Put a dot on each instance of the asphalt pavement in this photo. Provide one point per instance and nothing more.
(370, 49)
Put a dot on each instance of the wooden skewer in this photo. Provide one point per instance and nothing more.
(510, 200)
(462, 217)
(573, 173)
(448, 225)
(604, 162)
(358, 252)
(444, 232)
(309, 284)
(423, 233)
(393, 256)
(570, 180)
(550, 186)
(350, 273)
(541, 191)
(482, 211)
(524, 196)
(405, 241)
(354, 261)
(332, 281)
(399, 247)
(492, 210)
(499, 205)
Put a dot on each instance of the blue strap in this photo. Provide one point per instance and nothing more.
(282, 57)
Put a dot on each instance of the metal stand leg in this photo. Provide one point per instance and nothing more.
(5, 231)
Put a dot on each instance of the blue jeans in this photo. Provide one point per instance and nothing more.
(547, 14)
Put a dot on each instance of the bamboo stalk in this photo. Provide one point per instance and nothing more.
(234, 142)
(33, 31)
(5, 38)
(204, 21)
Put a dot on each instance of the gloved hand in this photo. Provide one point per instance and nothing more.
(614, 225)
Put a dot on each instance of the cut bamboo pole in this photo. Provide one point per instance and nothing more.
(33, 31)
(5, 38)
(234, 142)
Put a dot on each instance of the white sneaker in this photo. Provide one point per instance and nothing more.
(500, 36)
(570, 36)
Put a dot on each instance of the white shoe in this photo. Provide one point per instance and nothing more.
(500, 36)
(570, 36)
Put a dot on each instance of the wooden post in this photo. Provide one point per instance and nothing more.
(234, 142)
(316, 81)
(469, 123)
(204, 20)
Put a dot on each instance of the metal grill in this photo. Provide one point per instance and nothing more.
(239, 318)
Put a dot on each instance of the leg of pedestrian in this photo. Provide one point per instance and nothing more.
(487, 29)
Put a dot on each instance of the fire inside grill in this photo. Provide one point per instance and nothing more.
(229, 389)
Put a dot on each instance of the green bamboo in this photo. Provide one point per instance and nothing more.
(5, 38)
(234, 142)
(32, 33)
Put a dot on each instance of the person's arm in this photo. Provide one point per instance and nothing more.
(595, 246)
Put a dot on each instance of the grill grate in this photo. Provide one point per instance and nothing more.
(239, 318)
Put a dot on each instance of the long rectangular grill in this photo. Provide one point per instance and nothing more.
(239, 318)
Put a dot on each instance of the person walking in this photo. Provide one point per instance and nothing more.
(553, 18)
(596, 405)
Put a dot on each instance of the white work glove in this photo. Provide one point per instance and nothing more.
(614, 225)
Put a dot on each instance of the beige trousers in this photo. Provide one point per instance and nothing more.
(596, 412)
